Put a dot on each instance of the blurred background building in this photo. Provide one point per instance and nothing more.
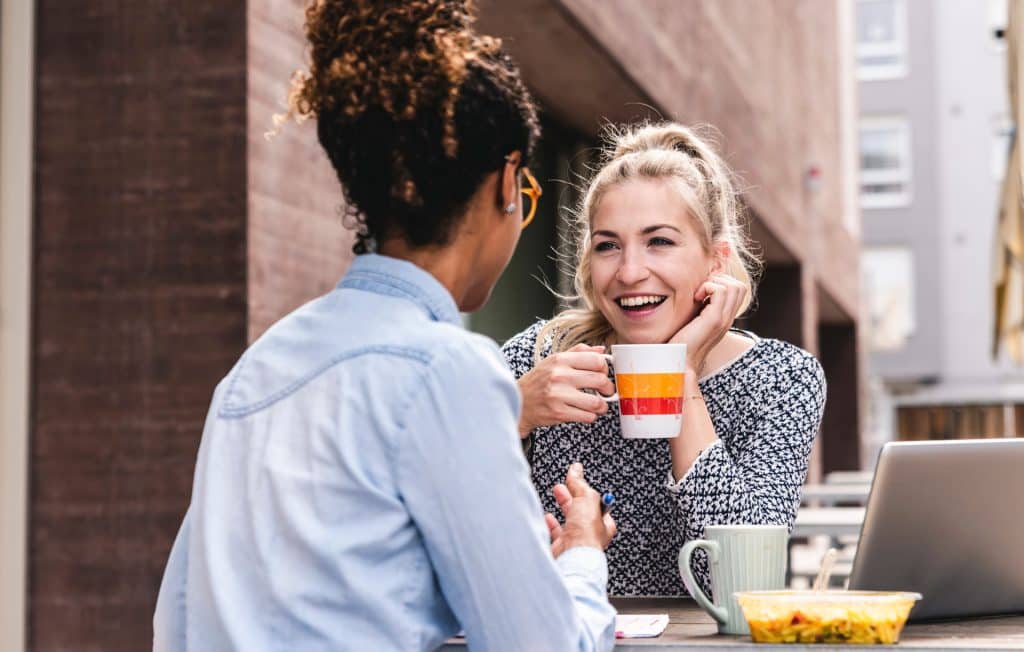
(150, 233)
(935, 130)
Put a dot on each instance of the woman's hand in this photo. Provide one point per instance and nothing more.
(552, 391)
(722, 296)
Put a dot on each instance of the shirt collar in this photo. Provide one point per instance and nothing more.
(395, 277)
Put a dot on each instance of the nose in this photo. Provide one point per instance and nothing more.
(632, 270)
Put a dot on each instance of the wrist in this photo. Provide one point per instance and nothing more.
(584, 542)
(575, 536)
(695, 362)
(524, 429)
(691, 379)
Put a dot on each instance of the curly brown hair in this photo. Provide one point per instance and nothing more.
(413, 108)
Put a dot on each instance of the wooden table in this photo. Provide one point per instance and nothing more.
(689, 628)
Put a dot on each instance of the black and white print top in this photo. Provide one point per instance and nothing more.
(766, 407)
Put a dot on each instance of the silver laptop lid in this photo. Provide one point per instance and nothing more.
(946, 519)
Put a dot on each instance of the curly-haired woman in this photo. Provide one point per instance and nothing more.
(662, 258)
(360, 484)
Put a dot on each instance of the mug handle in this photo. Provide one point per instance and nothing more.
(721, 614)
(615, 396)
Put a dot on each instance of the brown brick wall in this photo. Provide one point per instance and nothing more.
(763, 73)
(140, 280)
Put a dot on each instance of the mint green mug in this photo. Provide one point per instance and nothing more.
(741, 558)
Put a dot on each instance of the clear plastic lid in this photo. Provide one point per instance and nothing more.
(830, 597)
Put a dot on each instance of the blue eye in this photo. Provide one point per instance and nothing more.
(660, 241)
(607, 245)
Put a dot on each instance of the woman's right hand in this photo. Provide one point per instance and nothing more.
(552, 391)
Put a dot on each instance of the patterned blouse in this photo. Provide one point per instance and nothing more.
(766, 407)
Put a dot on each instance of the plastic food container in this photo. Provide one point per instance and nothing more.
(826, 616)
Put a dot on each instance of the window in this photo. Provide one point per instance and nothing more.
(884, 162)
(881, 39)
(888, 286)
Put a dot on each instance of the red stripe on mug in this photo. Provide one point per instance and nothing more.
(641, 406)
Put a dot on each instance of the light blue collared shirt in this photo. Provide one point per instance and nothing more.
(360, 486)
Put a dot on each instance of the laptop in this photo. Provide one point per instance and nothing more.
(946, 519)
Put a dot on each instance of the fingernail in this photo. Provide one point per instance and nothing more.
(576, 468)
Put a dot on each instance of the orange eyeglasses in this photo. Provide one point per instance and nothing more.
(532, 190)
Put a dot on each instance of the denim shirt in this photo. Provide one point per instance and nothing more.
(360, 486)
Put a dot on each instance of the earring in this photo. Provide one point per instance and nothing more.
(511, 208)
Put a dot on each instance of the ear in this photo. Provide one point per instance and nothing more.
(720, 251)
(509, 181)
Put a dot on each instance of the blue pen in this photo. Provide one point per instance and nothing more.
(607, 500)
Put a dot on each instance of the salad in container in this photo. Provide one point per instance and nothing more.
(826, 616)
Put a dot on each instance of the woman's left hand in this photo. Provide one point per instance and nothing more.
(722, 296)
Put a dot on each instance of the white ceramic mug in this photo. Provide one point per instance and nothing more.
(649, 380)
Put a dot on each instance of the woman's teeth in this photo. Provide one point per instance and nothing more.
(638, 303)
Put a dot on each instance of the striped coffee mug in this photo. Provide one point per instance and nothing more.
(649, 384)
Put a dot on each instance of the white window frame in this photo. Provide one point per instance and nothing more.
(904, 174)
(899, 46)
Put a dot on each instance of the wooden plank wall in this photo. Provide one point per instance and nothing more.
(169, 234)
(959, 421)
(140, 307)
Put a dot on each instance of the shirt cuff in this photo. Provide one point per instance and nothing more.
(584, 561)
(677, 487)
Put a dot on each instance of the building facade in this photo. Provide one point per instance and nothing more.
(934, 133)
(159, 233)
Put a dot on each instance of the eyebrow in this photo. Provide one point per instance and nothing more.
(650, 229)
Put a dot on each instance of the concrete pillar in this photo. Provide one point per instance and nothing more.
(841, 425)
(780, 305)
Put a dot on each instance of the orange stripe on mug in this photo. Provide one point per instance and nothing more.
(651, 406)
(649, 385)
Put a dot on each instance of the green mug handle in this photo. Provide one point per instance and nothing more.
(721, 614)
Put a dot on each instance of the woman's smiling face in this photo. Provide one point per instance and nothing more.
(647, 261)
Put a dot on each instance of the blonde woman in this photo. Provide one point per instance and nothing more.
(661, 258)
